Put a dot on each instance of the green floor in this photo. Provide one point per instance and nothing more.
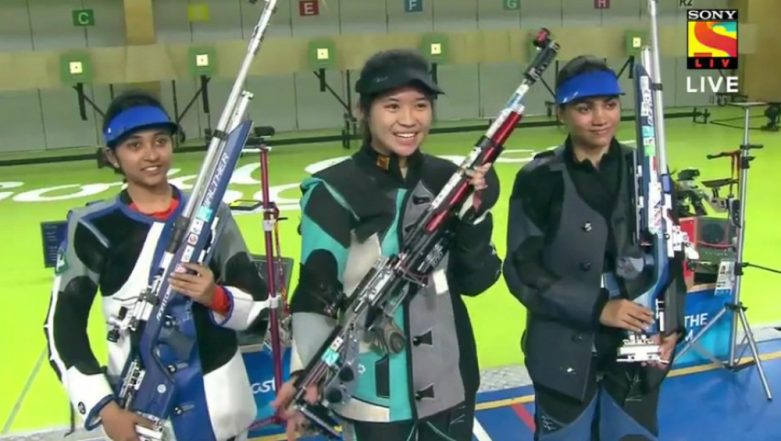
(497, 317)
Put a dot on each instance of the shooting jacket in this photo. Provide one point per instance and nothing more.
(357, 211)
(558, 247)
(110, 248)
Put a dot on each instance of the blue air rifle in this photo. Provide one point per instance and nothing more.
(368, 312)
(656, 231)
(163, 370)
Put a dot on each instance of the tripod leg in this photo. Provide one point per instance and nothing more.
(753, 344)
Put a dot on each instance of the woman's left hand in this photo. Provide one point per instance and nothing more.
(477, 176)
(199, 286)
(666, 348)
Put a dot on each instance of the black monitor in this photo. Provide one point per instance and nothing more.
(287, 267)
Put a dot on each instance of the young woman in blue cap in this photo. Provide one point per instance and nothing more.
(357, 211)
(570, 225)
(110, 246)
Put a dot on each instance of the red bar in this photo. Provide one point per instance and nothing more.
(435, 221)
(490, 155)
(459, 193)
(524, 415)
(506, 129)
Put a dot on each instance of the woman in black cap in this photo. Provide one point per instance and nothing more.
(569, 234)
(355, 212)
(110, 247)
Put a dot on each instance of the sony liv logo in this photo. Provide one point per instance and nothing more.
(712, 84)
(712, 39)
(712, 44)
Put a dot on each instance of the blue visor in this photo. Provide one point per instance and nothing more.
(136, 118)
(589, 84)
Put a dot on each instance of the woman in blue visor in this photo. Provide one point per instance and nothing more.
(109, 248)
(570, 222)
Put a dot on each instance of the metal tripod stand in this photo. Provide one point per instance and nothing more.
(736, 307)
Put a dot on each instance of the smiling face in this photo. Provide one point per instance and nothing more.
(144, 158)
(399, 121)
(592, 122)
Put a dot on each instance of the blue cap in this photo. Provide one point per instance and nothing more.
(589, 84)
(136, 118)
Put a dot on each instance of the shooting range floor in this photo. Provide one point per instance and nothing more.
(697, 404)
(31, 397)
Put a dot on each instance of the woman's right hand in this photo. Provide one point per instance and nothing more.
(120, 424)
(296, 421)
(626, 314)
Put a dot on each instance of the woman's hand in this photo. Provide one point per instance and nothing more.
(296, 422)
(120, 424)
(477, 176)
(199, 286)
(477, 181)
(666, 348)
(626, 314)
